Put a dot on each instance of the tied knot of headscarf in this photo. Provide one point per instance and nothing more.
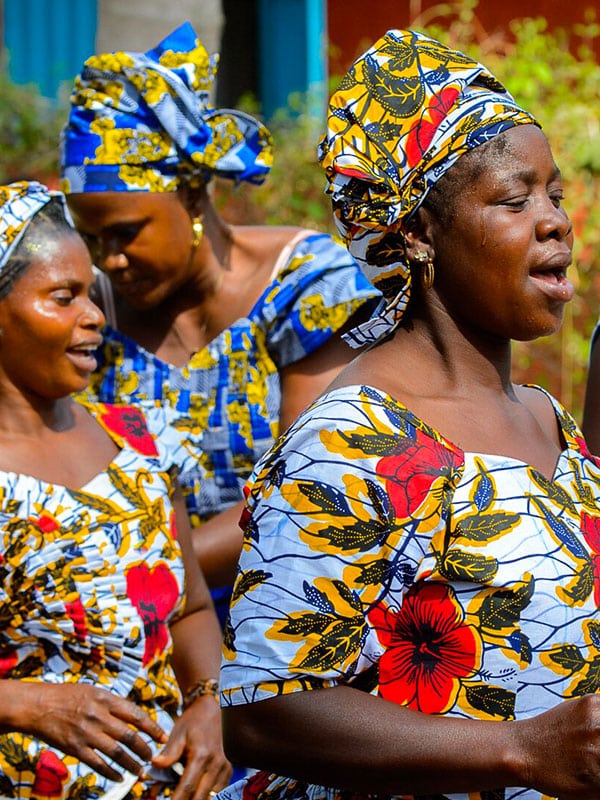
(143, 122)
(403, 115)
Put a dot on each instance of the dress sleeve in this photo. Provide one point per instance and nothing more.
(340, 518)
(314, 294)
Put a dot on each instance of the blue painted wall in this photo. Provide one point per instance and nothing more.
(47, 41)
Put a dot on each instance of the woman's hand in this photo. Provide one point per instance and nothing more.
(89, 723)
(196, 742)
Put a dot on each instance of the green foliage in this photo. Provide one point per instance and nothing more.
(555, 75)
(29, 131)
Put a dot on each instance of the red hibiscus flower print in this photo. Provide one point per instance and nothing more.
(76, 613)
(256, 785)
(421, 135)
(8, 660)
(410, 473)
(154, 593)
(130, 424)
(429, 649)
(50, 776)
(590, 527)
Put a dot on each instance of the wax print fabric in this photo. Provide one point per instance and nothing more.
(90, 580)
(378, 553)
(144, 121)
(19, 203)
(406, 111)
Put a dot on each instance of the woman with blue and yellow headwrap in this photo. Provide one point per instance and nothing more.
(109, 644)
(419, 589)
(236, 328)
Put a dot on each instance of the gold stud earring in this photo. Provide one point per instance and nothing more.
(198, 230)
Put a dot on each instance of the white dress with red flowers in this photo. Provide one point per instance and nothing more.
(450, 582)
(90, 580)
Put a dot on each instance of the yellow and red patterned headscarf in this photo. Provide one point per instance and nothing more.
(406, 111)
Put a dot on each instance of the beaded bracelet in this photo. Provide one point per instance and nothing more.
(199, 689)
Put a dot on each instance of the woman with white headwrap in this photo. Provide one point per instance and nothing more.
(109, 644)
(418, 592)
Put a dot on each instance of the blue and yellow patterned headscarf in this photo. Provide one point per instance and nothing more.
(142, 122)
(402, 116)
(19, 203)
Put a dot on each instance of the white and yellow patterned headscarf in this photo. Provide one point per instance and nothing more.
(406, 111)
(19, 203)
(143, 122)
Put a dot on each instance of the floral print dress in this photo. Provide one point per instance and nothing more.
(450, 582)
(91, 579)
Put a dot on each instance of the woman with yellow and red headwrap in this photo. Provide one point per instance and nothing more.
(234, 327)
(418, 593)
(109, 643)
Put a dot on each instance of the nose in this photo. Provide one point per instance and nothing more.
(113, 261)
(555, 223)
(92, 317)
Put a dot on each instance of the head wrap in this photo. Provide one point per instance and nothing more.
(406, 111)
(142, 122)
(19, 203)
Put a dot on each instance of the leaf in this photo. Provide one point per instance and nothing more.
(342, 639)
(553, 491)
(358, 534)
(304, 624)
(568, 656)
(482, 527)
(561, 531)
(502, 609)
(246, 581)
(492, 700)
(484, 490)
(583, 584)
(590, 684)
(326, 498)
(462, 566)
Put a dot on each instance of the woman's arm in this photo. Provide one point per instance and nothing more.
(346, 738)
(196, 739)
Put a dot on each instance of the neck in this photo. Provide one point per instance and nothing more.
(31, 416)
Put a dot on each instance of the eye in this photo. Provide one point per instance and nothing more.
(126, 233)
(63, 297)
(91, 242)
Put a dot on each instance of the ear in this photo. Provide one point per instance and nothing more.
(193, 199)
(418, 235)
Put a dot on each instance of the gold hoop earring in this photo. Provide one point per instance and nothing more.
(428, 275)
(198, 230)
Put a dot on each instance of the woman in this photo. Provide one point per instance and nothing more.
(106, 622)
(234, 327)
(419, 586)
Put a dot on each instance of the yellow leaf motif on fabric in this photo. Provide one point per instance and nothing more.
(315, 315)
(331, 635)
(148, 179)
(498, 611)
(568, 659)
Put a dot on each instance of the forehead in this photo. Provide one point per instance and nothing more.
(94, 210)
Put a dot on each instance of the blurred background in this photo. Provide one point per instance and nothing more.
(280, 59)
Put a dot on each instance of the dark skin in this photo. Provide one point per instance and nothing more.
(49, 327)
(500, 274)
(187, 296)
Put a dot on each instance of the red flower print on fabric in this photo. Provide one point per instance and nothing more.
(410, 473)
(154, 593)
(421, 135)
(50, 776)
(45, 523)
(429, 649)
(8, 660)
(585, 452)
(76, 613)
(256, 785)
(590, 527)
(129, 423)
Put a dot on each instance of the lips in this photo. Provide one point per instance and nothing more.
(82, 355)
(552, 276)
